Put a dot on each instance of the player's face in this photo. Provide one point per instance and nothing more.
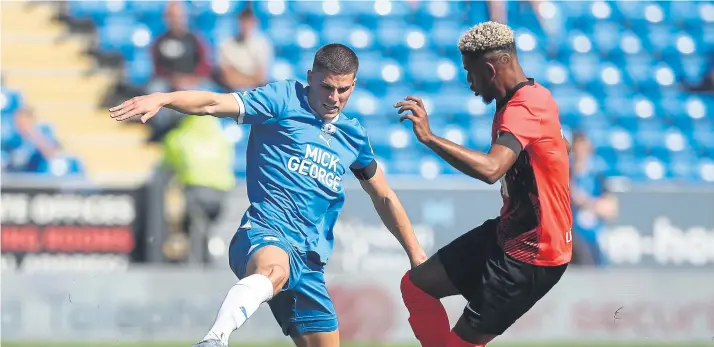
(329, 92)
(480, 75)
(176, 17)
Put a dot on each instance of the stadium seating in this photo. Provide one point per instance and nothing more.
(65, 91)
(614, 67)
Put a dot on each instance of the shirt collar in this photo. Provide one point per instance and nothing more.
(513, 91)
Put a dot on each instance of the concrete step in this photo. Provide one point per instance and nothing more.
(107, 158)
(38, 88)
(101, 129)
(61, 55)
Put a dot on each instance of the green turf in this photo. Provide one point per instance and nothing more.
(494, 344)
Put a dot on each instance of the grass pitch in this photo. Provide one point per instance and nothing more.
(494, 344)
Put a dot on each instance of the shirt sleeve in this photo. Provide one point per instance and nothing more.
(522, 124)
(365, 156)
(261, 104)
(365, 166)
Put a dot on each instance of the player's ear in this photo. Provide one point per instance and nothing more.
(491, 71)
(309, 76)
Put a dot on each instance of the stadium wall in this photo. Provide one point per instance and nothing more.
(164, 304)
(52, 225)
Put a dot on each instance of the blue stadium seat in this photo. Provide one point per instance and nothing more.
(692, 68)
(445, 33)
(682, 12)
(10, 100)
(140, 69)
(479, 134)
(391, 33)
(403, 161)
(606, 36)
(683, 166)
(282, 33)
(533, 63)
(337, 29)
(422, 67)
(116, 34)
(61, 167)
(98, 11)
(584, 67)
(153, 9)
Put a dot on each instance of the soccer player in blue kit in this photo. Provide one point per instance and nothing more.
(300, 147)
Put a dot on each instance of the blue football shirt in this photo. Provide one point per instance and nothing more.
(295, 164)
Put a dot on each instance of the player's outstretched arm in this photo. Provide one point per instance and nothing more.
(393, 215)
(194, 102)
(488, 167)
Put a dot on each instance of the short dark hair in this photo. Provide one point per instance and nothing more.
(246, 12)
(337, 59)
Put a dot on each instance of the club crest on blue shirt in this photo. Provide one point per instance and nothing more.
(328, 129)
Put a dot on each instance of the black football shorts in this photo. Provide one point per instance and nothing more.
(499, 288)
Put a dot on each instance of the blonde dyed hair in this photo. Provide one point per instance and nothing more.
(486, 37)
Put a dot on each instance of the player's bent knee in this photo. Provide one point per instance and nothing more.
(272, 262)
(277, 274)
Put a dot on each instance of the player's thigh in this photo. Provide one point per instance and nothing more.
(329, 339)
(509, 289)
(306, 307)
(265, 252)
(460, 264)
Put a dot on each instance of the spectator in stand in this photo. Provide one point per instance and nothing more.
(593, 204)
(181, 62)
(244, 60)
(497, 11)
(44, 147)
(180, 57)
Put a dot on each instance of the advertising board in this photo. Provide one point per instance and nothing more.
(55, 227)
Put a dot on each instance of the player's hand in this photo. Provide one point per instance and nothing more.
(418, 116)
(145, 106)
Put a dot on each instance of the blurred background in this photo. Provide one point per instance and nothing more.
(116, 233)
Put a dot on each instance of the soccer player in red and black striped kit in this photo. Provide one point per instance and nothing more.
(507, 264)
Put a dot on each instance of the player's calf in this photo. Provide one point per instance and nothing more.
(266, 273)
(422, 288)
(427, 315)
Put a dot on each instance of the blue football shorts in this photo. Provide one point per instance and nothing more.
(303, 305)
